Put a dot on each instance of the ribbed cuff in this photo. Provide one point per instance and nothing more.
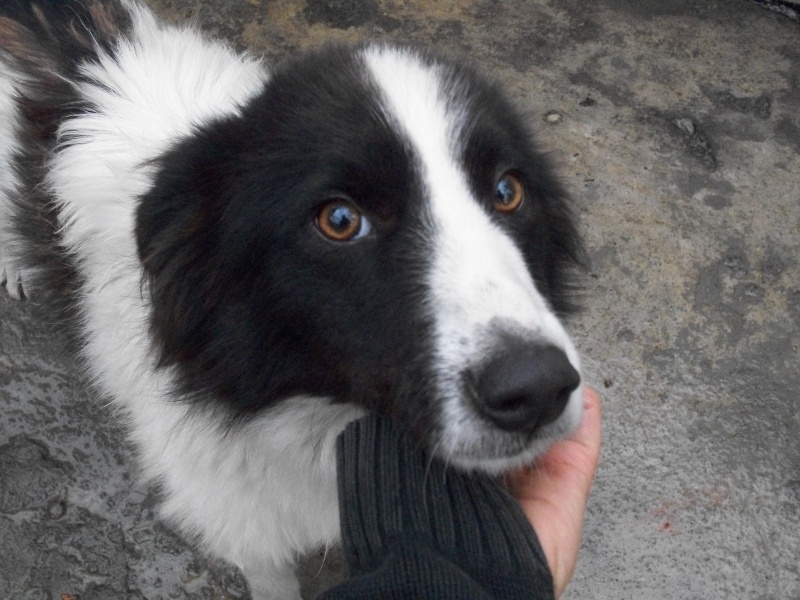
(392, 495)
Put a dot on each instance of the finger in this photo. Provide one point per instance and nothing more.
(553, 494)
(573, 459)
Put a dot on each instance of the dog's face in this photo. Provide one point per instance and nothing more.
(377, 228)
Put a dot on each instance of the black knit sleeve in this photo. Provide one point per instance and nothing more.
(413, 528)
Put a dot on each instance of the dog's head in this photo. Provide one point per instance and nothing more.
(376, 227)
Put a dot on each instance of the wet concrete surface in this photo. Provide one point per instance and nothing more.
(677, 127)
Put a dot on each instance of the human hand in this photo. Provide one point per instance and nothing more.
(553, 492)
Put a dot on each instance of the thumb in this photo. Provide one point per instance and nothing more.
(554, 492)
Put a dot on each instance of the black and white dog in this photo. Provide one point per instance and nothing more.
(253, 256)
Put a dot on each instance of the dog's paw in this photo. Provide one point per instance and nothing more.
(12, 277)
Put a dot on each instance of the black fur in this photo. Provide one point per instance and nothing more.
(250, 301)
(47, 41)
(497, 141)
(252, 305)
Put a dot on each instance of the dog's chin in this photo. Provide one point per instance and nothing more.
(484, 447)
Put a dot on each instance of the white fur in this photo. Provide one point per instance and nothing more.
(480, 285)
(266, 492)
(10, 272)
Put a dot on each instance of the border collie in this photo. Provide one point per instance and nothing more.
(251, 256)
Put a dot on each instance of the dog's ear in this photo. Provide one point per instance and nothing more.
(176, 234)
(202, 242)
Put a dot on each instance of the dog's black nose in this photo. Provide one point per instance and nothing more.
(526, 389)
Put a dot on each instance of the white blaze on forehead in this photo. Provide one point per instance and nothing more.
(478, 274)
(479, 285)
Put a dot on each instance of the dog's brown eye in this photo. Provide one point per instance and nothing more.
(341, 221)
(509, 194)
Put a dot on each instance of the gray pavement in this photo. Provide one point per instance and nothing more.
(677, 127)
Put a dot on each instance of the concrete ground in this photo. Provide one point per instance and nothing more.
(677, 126)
